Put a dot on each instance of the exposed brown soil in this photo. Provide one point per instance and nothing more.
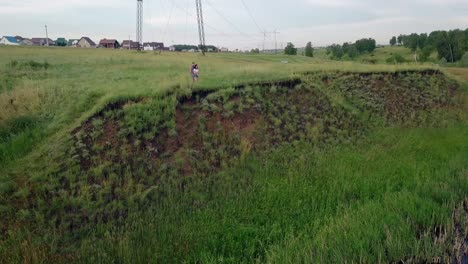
(205, 133)
(382, 93)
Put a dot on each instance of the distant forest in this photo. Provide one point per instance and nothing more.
(181, 47)
(450, 45)
(352, 50)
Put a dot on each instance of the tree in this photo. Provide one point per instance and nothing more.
(422, 40)
(185, 47)
(366, 45)
(443, 46)
(464, 60)
(336, 51)
(352, 51)
(255, 51)
(412, 41)
(425, 53)
(346, 47)
(400, 39)
(458, 44)
(309, 51)
(450, 45)
(290, 49)
(212, 48)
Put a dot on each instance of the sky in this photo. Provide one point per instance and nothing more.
(235, 24)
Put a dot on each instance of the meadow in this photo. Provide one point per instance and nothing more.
(115, 156)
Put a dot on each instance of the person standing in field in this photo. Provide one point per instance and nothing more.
(195, 73)
(192, 69)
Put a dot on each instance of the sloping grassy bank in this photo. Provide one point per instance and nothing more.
(267, 173)
(56, 89)
(378, 201)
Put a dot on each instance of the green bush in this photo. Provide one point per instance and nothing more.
(464, 60)
(396, 59)
(443, 62)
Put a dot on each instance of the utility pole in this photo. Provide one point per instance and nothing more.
(139, 28)
(264, 38)
(47, 36)
(201, 26)
(276, 43)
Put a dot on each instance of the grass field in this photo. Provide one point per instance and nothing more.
(116, 157)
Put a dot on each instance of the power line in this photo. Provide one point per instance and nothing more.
(190, 14)
(206, 25)
(251, 16)
(276, 42)
(168, 21)
(186, 23)
(227, 20)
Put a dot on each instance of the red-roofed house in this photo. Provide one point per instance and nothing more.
(109, 44)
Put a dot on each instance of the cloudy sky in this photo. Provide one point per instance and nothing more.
(230, 23)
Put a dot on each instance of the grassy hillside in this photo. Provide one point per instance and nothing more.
(380, 55)
(46, 91)
(115, 156)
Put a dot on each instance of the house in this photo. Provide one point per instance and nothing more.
(130, 44)
(85, 42)
(153, 46)
(19, 39)
(26, 42)
(109, 44)
(73, 43)
(224, 50)
(62, 42)
(7, 40)
(42, 42)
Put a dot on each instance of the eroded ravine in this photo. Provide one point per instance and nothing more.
(135, 152)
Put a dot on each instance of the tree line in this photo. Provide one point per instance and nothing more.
(352, 50)
(450, 45)
(181, 47)
(290, 49)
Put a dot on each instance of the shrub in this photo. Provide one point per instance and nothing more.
(396, 58)
(464, 60)
(443, 61)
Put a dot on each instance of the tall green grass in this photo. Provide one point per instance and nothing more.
(66, 86)
(375, 202)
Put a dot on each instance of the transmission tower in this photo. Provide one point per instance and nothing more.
(276, 42)
(139, 24)
(47, 36)
(201, 26)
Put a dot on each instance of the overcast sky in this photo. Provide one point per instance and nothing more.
(228, 22)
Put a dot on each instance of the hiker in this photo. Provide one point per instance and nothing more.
(195, 72)
(192, 67)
